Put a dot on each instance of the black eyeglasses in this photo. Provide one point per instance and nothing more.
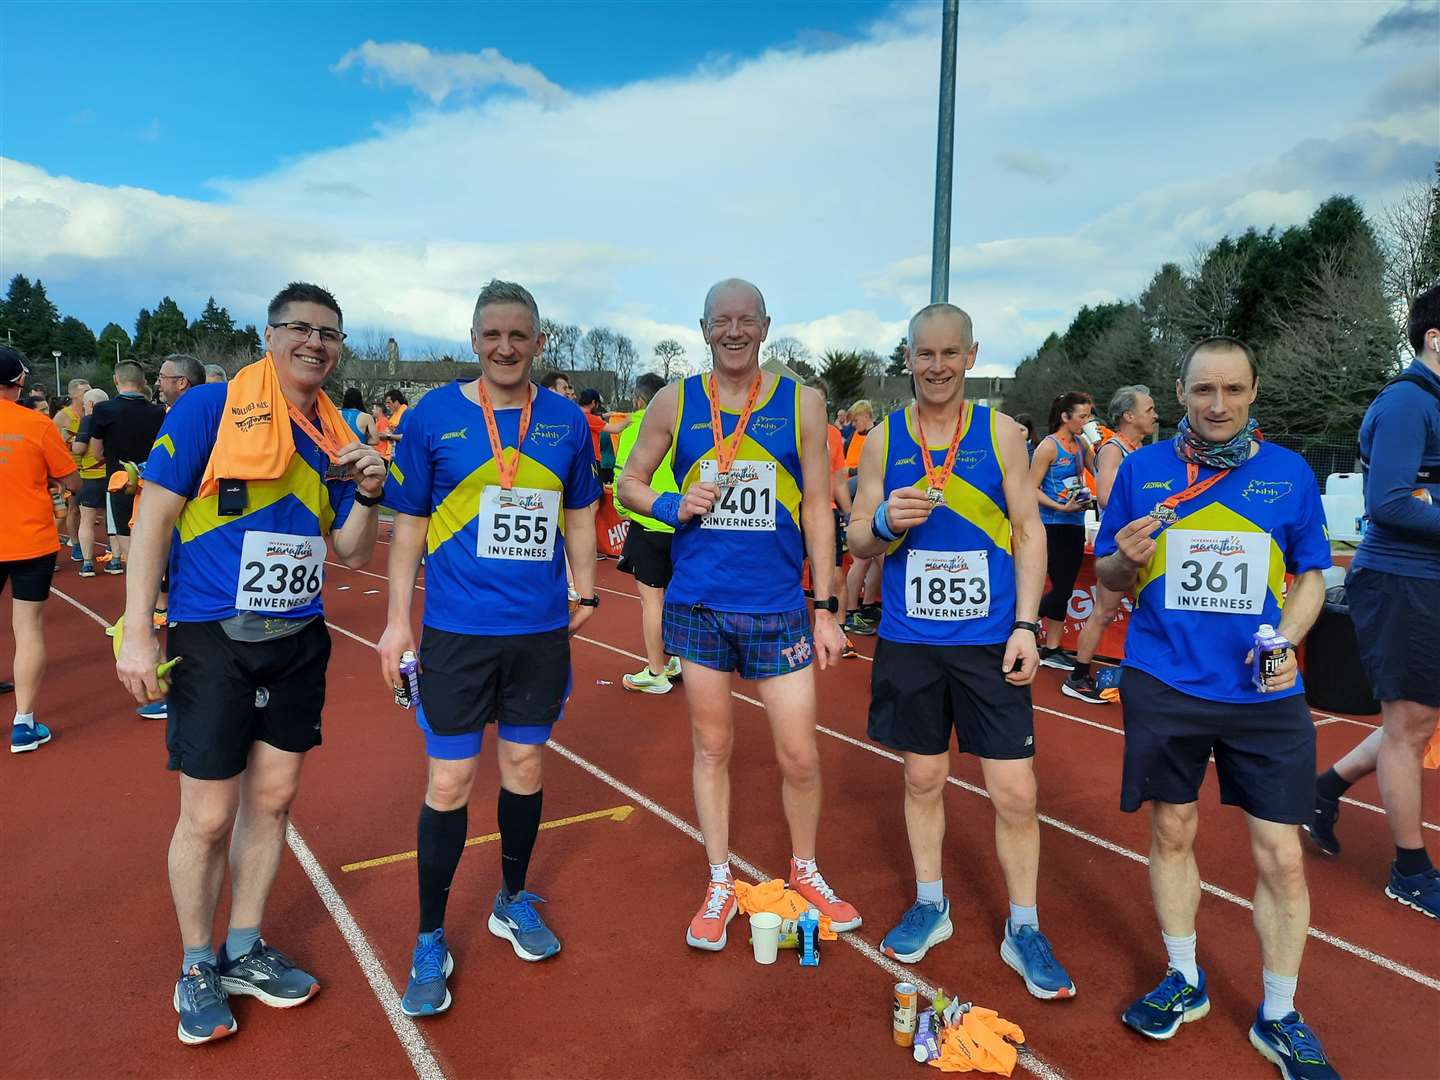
(303, 330)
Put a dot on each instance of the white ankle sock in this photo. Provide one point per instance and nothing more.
(720, 871)
(1279, 995)
(805, 867)
(28, 719)
(931, 892)
(1181, 951)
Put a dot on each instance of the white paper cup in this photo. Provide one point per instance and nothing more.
(765, 936)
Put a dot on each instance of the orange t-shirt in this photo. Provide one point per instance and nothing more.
(837, 453)
(857, 443)
(597, 425)
(31, 452)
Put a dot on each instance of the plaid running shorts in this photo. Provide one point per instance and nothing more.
(758, 646)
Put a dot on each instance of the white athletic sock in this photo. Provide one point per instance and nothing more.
(1023, 916)
(1279, 995)
(720, 871)
(1181, 951)
(804, 867)
(28, 719)
(931, 892)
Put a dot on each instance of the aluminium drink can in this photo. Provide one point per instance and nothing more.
(905, 1013)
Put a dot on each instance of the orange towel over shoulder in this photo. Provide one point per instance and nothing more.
(254, 441)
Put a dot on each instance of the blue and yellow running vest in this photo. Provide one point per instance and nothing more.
(950, 581)
(746, 554)
(1064, 474)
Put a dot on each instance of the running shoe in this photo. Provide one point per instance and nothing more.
(858, 625)
(516, 920)
(707, 928)
(646, 681)
(87, 569)
(1321, 826)
(672, 669)
(1291, 1046)
(114, 566)
(923, 926)
(1159, 1014)
(201, 1002)
(7, 687)
(28, 736)
(426, 993)
(870, 613)
(268, 974)
(1418, 891)
(1028, 952)
(1057, 659)
(75, 555)
(849, 652)
(1082, 688)
(814, 888)
(156, 710)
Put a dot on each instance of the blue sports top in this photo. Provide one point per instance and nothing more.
(495, 559)
(1065, 471)
(1219, 571)
(746, 554)
(270, 559)
(352, 417)
(1400, 445)
(950, 581)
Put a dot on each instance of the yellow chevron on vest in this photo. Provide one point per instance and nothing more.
(300, 479)
(964, 498)
(786, 488)
(164, 443)
(462, 505)
(1214, 518)
(396, 473)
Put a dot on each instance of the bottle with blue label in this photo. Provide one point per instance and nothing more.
(407, 694)
(1269, 649)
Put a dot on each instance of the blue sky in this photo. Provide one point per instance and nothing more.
(618, 158)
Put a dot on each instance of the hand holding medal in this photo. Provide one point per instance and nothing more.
(699, 499)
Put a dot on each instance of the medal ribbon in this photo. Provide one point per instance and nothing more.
(1191, 471)
(725, 452)
(506, 467)
(938, 478)
(326, 440)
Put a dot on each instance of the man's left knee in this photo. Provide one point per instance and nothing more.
(1280, 860)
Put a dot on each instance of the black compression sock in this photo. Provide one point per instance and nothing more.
(1411, 861)
(1082, 671)
(519, 824)
(440, 842)
(1331, 785)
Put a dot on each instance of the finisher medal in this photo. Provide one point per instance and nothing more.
(938, 478)
(1164, 514)
(727, 449)
(935, 494)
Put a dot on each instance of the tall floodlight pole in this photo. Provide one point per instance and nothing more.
(944, 158)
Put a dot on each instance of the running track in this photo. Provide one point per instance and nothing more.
(91, 950)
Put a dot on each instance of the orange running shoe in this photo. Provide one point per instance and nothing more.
(707, 929)
(816, 889)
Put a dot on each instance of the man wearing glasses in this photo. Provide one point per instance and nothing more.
(248, 478)
(178, 373)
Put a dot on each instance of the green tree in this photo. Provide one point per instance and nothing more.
(113, 335)
(162, 331)
(75, 341)
(245, 345)
(28, 317)
(897, 359)
(844, 376)
(214, 329)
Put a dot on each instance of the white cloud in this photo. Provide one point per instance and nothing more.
(438, 75)
(1027, 163)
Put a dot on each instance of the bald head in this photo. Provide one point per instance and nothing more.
(732, 285)
(933, 311)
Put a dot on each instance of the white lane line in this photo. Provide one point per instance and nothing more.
(1032, 1063)
(1320, 935)
(411, 1040)
(367, 573)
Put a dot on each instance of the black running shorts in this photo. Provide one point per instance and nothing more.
(29, 578)
(647, 556)
(470, 680)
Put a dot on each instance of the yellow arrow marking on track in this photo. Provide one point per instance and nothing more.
(615, 813)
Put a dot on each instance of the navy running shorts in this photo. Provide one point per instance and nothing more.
(1394, 621)
(1264, 751)
(92, 492)
(919, 694)
(758, 646)
(518, 682)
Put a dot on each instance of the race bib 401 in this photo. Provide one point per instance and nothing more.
(1217, 571)
(747, 497)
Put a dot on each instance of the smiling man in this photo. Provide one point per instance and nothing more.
(248, 478)
(964, 567)
(493, 484)
(750, 455)
(1204, 529)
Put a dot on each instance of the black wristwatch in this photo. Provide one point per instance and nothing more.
(831, 604)
(1034, 627)
(589, 601)
(366, 500)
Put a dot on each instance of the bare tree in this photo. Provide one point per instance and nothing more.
(597, 348)
(787, 350)
(670, 359)
(561, 342)
(625, 360)
(1404, 228)
(1216, 276)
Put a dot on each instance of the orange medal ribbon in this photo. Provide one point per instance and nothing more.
(938, 478)
(1165, 511)
(506, 467)
(725, 452)
(326, 440)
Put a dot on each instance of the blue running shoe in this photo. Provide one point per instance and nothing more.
(1418, 891)
(1290, 1045)
(268, 974)
(28, 736)
(200, 1001)
(156, 710)
(1028, 952)
(1159, 1014)
(87, 569)
(75, 555)
(517, 921)
(426, 993)
(921, 927)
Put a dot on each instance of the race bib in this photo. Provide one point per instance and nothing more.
(279, 572)
(947, 585)
(517, 524)
(747, 501)
(1217, 571)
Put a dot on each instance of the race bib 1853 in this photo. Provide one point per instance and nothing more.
(947, 585)
(747, 501)
(1217, 571)
(279, 572)
(521, 523)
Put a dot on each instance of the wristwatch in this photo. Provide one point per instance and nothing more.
(589, 601)
(366, 500)
(830, 604)
(1033, 627)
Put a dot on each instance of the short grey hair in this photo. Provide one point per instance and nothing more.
(930, 311)
(506, 292)
(1124, 400)
(76, 384)
(733, 283)
(215, 369)
(187, 367)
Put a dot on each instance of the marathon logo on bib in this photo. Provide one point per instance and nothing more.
(1217, 571)
(520, 523)
(279, 572)
(747, 500)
